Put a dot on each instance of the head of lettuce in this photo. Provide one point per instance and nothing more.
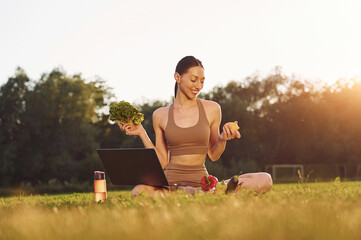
(125, 112)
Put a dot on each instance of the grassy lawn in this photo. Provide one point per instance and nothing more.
(289, 211)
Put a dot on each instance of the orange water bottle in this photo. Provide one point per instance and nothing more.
(100, 186)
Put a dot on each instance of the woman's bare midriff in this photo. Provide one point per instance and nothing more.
(189, 160)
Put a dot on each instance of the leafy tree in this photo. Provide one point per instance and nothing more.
(58, 131)
(12, 106)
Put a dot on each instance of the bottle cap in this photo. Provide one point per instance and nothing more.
(98, 175)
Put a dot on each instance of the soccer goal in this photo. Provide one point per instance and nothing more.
(293, 167)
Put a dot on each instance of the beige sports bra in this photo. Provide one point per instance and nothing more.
(190, 140)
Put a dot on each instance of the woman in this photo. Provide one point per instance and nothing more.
(188, 130)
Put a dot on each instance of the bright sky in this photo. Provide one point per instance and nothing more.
(135, 45)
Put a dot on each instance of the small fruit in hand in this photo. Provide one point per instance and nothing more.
(208, 182)
(233, 125)
(232, 184)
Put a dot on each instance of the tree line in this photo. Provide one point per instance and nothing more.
(50, 127)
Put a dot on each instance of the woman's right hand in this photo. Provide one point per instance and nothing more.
(132, 129)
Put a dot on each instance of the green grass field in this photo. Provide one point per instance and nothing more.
(289, 211)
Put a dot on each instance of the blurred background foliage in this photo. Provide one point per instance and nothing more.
(51, 127)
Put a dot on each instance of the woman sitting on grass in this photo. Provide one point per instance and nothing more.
(188, 130)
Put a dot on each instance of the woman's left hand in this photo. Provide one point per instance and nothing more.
(229, 133)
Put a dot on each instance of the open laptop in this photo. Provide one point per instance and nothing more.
(132, 166)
